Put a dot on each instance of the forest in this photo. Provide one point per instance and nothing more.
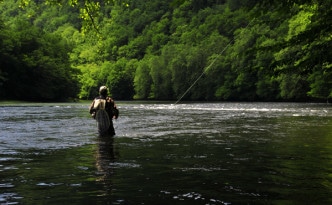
(193, 50)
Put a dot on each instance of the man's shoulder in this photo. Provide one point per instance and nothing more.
(100, 98)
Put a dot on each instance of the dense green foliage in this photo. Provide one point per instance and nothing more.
(34, 63)
(151, 49)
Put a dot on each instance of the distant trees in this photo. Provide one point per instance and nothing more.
(240, 50)
(35, 65)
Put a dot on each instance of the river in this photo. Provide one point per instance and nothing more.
(187, 153)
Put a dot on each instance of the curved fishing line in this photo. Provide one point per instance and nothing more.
(209, 66)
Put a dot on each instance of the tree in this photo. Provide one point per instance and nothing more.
(142, 81)
(158, 49)
(38, 67)
(120, 78)
(161, 77)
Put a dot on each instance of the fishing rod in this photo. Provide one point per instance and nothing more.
(210, 65)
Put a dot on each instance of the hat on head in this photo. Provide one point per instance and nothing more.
(102, 89)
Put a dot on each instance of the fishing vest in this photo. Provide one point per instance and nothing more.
(100, 104)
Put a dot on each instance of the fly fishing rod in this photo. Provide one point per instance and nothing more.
(210, 65)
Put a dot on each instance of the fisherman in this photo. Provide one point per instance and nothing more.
(103, 109)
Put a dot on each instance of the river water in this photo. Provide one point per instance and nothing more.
(188, 153)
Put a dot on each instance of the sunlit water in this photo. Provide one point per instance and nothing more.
(190, 153)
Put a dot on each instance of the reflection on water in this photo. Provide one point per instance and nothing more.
(104, 157)
(192, 153)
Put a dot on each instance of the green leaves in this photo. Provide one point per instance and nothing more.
(157, 49)
(299, 22)
(142, 81)
(39, 67)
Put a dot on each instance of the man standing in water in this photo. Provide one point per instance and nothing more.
(103, 109)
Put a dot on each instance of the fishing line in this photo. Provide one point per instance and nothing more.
(208, 67)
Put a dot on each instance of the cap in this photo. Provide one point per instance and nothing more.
(102, 88)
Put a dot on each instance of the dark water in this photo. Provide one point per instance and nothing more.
(212, 153)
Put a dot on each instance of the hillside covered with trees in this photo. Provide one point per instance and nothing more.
(228, 50)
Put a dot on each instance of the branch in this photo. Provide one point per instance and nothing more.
(90, 15)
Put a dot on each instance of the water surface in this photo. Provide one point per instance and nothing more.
(190, 153)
